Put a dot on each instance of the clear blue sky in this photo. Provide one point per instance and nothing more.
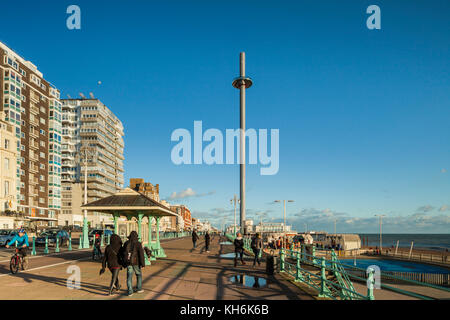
(363, 114)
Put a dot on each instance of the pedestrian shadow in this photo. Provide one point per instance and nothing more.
(92, 288)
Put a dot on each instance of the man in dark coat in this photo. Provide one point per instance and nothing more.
(207, 241)
(112, 258)
(256, 248)
(195, 237)
(238, 248)
(134, 260)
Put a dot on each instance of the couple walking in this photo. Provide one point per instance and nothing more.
(129, 256)
(256, 246)
(195, 238)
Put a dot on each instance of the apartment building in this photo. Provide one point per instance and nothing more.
(8, 169)
(185, 214)
(146, 188)
(33, 109)
(92, 135)
(152, 191)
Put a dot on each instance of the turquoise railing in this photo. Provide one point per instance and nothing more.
(353, 270)
(340, 289)
(344, 274)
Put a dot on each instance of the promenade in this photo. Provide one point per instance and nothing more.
(186, 273)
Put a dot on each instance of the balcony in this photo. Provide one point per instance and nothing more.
(33, 145)
(34, 157)
(34, 133)
(33, 169)
(34, 122)
(34, 110)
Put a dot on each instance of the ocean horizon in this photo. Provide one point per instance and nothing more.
(435, 241)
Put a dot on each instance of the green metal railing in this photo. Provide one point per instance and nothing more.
(344, 274)
(312, 271)
(353, 270)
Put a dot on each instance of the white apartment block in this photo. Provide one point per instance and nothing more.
(89, 125)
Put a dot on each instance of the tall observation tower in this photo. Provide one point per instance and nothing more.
(242, 82)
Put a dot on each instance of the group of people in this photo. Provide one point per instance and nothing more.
(130, 256)
(256, 246)
(196, 237)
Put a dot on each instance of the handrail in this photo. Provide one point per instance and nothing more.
(402, 279)
(341, 270)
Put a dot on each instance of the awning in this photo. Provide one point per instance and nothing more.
(42, 218)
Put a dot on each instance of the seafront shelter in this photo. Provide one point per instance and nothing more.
(134, 206)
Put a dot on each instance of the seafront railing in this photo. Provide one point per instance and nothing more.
(333, 279)
(328, 277)
(355, 274)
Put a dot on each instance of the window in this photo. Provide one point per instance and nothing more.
(6, 163)
(6, 188)
(6, 144)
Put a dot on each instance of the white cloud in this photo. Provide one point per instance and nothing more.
(426, 208)
(189, 192)
(443, 170)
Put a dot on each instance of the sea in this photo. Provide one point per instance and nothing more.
(423, 241)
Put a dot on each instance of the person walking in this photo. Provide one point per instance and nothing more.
(112, 259)
(238, 248)
(195, 237)
(134, 260)
(96, 249)
(207, 241)
(256, 248)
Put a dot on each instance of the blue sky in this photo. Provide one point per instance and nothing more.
(363, 114)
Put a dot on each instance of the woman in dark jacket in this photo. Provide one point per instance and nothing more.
(195, 237)
(112, 258)
(238, 248)
(207, 241)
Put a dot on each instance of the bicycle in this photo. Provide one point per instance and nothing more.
(16, 261)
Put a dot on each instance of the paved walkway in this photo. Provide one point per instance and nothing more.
(186, 273)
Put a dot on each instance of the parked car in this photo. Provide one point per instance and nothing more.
(99, 232)
(6, 235)
(51, 235)
(72, 228)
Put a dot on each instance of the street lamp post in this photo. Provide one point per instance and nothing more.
(85, 244)
(284, 215)
(381, 222)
